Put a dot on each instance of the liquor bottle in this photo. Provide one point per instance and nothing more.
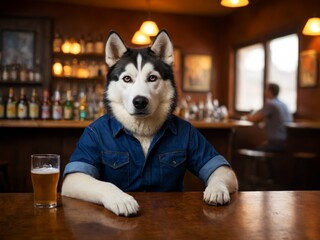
(13, 73)
(2, 106)
(23, 73)
(22, 105)
(34, 108)
(99, 45)
(82, 106)
(56, 106)
(91, 103)
(11, 105)
(89, 45)
(37, 73)
(82, 45)
(31, 74)
(76, 111)
(57, 43)
(5, 73)
(201, 111)
(209, 108)
(68, 107)
(45, 106)
(101, 109)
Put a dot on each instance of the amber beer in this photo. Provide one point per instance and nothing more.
(45, 176)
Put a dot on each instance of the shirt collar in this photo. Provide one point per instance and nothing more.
(116, 126)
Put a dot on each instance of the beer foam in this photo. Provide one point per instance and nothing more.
(45, 170)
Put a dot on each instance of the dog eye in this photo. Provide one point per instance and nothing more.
(127, 79)
(152, 78)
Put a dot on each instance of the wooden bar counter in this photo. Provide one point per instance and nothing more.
(82, 124)
(21, 138)
(250, 215)
(303, 137)
(303, 154)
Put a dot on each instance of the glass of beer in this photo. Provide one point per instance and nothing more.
(45, 170)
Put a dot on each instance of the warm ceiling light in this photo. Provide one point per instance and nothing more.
(140, 38)
(312, 27)
(149, 28)
(234, 3)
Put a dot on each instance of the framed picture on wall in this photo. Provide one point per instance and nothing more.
(25, 43)
(308, 74)
(18, 47)
(197, 73)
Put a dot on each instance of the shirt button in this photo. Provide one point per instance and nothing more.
(114, 164)
(174, 162)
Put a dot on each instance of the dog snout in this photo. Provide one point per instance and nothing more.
(140, 102)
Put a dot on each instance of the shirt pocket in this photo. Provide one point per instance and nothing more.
(173, 167)
(116, 168)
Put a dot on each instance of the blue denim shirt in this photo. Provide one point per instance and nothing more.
(108, 152)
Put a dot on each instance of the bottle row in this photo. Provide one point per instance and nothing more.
(20, 73)
(85, 106)
(84, 45)
(208, 110)
(79, 69)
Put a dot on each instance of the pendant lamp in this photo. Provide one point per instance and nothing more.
(312, 27)
(234, 3)
(140, 39)
(148, 29)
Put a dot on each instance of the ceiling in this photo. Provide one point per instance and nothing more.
(192, 7)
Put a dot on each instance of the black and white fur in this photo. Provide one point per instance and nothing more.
(141, 93)
(140, 89)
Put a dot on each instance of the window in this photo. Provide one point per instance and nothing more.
(282, 68)
(259, 64)
(249, 77)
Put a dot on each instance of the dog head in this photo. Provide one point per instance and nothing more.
(140, 90)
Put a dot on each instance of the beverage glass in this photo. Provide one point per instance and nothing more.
(45, 171)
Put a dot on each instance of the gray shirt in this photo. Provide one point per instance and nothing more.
(276, 114)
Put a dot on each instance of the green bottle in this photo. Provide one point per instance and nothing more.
(68, 107)
(83, 106)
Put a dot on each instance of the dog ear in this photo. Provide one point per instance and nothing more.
(115, 48)
(162, 46)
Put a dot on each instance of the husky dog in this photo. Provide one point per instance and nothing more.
(139, 145)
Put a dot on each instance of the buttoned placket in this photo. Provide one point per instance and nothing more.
(146, 174)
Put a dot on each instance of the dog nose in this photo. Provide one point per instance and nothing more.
(140, 102)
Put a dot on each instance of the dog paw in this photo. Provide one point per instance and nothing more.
(216, 195)
(120, 203)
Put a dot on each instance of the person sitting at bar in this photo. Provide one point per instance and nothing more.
(275, 114)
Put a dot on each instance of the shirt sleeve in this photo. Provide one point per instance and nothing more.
(204, 159)
(85, 158)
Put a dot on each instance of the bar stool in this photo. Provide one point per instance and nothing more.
(304, 170)
(257, 168)
(4, 176)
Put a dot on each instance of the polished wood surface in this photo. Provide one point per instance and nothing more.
(21, 138)
(250, 215)
(229, 123)
(43, 124)
(304, 125)
(82, 124)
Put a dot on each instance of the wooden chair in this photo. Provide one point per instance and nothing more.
(256, 170)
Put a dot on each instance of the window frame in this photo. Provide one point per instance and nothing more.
(265, 43)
